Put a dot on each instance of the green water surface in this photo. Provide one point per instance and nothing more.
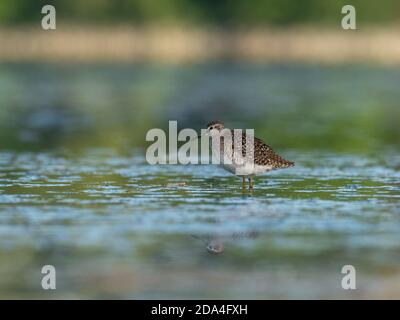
(76, 191)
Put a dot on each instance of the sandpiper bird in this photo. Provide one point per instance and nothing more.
(261, 158)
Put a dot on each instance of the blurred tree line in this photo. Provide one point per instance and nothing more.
(206, 12)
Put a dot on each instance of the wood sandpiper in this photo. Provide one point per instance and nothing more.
(263, 158)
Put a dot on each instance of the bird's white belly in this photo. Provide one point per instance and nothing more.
(246, 170)
(237, 166)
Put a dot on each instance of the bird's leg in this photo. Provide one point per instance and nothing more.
(244, 183)
(251, 182)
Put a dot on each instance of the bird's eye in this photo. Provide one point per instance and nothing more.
(211, 128)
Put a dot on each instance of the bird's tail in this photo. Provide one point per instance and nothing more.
(289, 164)
(283, 163)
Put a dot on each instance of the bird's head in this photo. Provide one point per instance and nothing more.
(218, 126)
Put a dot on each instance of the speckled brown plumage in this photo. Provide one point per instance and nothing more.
(264, 155)
(244, 156)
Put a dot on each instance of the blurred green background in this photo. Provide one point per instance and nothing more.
(76, 191)
(79, 84)
(220, 13)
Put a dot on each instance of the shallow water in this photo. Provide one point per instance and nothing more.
(77, 193)
(113, 225)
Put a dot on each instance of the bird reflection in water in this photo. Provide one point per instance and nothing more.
(214, 244)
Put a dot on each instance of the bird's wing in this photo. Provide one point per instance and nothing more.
(264, 155)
